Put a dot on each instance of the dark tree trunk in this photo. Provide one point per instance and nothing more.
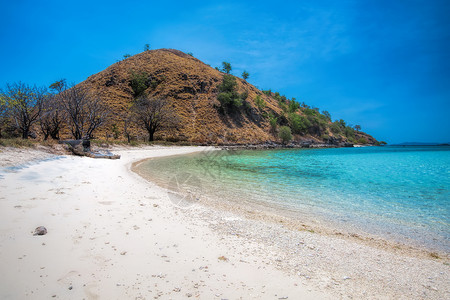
(150, 134)
(25, 134)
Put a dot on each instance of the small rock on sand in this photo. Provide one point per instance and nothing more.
(41, 230)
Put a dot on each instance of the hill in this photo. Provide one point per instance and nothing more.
(191, 88)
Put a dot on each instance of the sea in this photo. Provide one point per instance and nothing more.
(398, 193)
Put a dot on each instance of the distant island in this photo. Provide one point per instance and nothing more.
(172, 96)
(421, 144)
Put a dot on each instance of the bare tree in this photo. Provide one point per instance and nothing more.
(85, 111)
(3, 114)
(153, 115)
(24, 104)
(128, 119)
(52, 117)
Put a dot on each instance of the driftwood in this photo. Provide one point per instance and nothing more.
(83, 148)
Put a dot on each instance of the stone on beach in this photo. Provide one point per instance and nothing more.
(41, 230)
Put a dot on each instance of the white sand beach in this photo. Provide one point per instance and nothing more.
(114, 235)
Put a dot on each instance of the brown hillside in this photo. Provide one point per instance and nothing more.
(191, 87)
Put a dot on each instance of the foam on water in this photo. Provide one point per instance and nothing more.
(401, 193)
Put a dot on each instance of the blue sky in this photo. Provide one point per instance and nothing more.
(382, 64)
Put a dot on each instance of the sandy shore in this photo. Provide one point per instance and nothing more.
(113, 235)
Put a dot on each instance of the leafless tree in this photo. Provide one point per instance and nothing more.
(3, 114)
(24, 104)
(153, 115)
(128, 119)
(85, 111)
(52, 117)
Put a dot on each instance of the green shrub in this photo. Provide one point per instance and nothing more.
(335, 128)
(362, 140)
(139, 83)
(285, 134)
(273, 121)
(293, 106)
(310, 112)
(260, 103)
(228, 96)
(299, 124)
(325, 137)
(115, 131)
(349, 132)
(327, 115)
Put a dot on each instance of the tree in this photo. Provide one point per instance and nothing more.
(125, 56)
(139, 82)
(3, 114)
(52, 117)
(226, 67)
(59, 86)
(85, 111)
(273, 121)
(153, 115)
(228, 96)
(285, 134)
(245, 75)
(327, 115)
(357, 128)
(128, 118)
(146, 47)
(24, 104)
(299, 124)
(293, 106)
(335, 127)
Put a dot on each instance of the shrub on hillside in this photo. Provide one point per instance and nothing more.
(335, 127)
(228, 96)
(293, 106)
(273, 121)
(260, 103)
(139, 82)
(349, 132)
(362, 140)
(298, 124)
(285, 134)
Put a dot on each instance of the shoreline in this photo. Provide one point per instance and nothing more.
(113, 234)
(295, 219)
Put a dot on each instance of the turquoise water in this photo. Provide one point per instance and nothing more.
(401, 193)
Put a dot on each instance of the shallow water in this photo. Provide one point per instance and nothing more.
(399, 193)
